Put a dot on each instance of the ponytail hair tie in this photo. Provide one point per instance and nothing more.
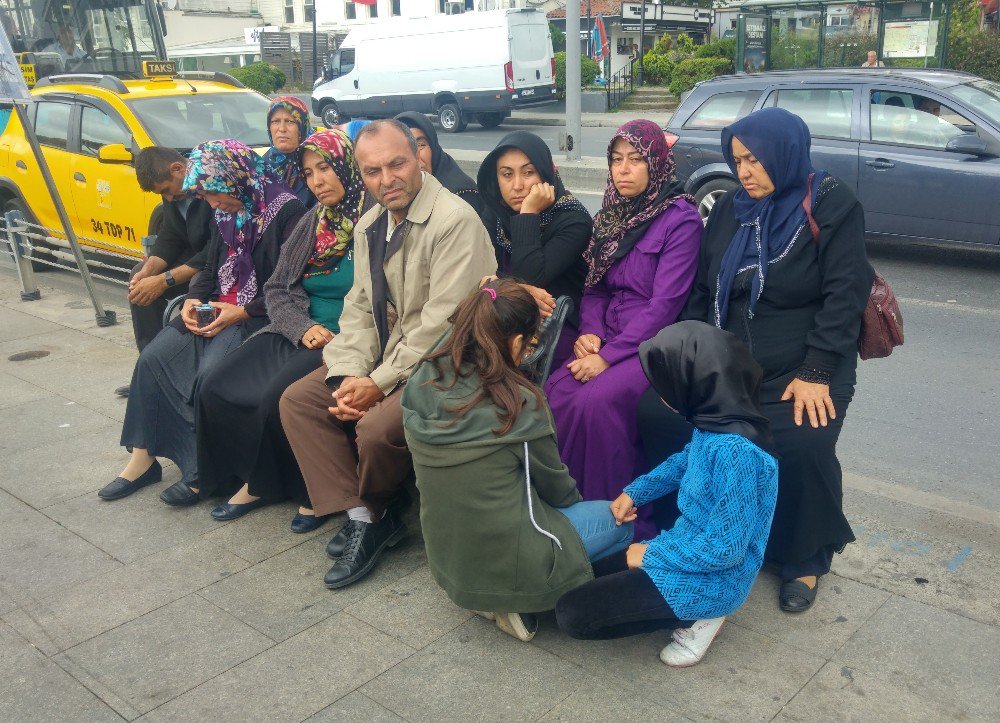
(492, 293)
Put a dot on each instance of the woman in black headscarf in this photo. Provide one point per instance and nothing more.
(439, 164)
(796, 301)
(539, 229)
(688, 578)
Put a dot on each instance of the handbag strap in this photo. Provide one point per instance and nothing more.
(807, 207)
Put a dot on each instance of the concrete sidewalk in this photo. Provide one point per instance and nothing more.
(135, 610)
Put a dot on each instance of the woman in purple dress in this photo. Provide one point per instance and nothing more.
(642, 261)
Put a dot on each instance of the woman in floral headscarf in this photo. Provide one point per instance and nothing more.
(287, 127)
(240, 439)
(641, 263)
(254, 213)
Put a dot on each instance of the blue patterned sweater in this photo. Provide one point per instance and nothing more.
(705, 565)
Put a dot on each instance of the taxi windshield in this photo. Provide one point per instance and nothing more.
(83, 36)
(184, 121)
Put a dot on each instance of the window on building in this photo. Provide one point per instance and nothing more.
(310, 9)
(52, 124)
(395, 9)
(470, 5)
(827, 111)
(98, 129)
(442, 6)
(373, 10)
(350, 11)
(289, 11)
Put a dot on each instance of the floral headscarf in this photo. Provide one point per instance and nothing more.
(622, 221)
(233, 168)
(335, 231)
(286, 164)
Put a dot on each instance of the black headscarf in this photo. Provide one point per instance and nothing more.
(489, 187)
(710, 378)
(443, 166)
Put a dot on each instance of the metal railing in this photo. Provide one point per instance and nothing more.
(619, 87)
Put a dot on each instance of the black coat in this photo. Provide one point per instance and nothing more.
(809, 314)
(182, 240)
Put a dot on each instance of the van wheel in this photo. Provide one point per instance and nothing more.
(13, 204)
(706, 196)
(450, 118)
(331, 115)
(490, 120)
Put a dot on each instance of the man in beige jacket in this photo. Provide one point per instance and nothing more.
(416, 256)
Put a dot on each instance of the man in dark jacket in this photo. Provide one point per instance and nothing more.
(177, 254)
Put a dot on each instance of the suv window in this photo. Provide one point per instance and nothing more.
(827, 111)
(98, 129)
(720, 110)
(52, 123)
(914, 120)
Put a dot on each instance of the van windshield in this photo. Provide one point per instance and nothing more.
(981, 95)
(182, 122)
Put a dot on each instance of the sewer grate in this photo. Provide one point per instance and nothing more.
(28, 355)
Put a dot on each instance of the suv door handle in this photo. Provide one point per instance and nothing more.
(79, 177)
(880, 164)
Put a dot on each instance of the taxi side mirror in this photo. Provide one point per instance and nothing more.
(114, 153)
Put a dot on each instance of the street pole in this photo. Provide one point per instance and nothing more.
(573, 123)
(642, 41)
(315, 70)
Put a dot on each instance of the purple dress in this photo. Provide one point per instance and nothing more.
(640, 294)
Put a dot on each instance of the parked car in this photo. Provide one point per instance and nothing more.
(920, 147)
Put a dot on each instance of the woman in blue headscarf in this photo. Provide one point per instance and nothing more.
(793, 293)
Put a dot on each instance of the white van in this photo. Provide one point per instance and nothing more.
(477, 65)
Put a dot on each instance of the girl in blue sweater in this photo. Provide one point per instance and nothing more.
(688, 578)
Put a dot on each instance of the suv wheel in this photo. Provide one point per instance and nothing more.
(709, 193)
(450, 118)
(490, 120)
(331, 115)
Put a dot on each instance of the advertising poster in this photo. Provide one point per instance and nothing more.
(910, 39)
(752, 42)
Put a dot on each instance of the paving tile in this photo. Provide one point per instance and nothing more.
(58, 344)
(65, 468)
(932, 654)
(294, 679)
(144, 663)
(33, 688)
(355, 706)
(136, 526)
(475, 672)
(841, 693)
(15, 325)
(266, 532)
(15, 392)
(107, 601)
(599, 700)
(841, 607)
(735, 680)
(43, 422)
(412, 609)
(285, 594)
(41, 557)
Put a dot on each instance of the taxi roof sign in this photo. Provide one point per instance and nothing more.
(159, 68)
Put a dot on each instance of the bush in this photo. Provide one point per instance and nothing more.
(724, 48)
(262, 77)
(558, 38)
(685, 44)
(657, 68)
(662, 46)
(848, 50)
(589, 69)
(693, 70)
(975, 52)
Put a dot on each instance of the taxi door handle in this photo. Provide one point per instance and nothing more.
(22, 165)
(79, 177)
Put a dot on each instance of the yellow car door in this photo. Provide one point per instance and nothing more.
(52, 126)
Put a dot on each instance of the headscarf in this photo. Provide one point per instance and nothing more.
(710, 378)
(231, 167)
(335, 230)
(352, 128)
(286, 164)
(541, 158)
(780, 141)
(621, 222)
(443, 166)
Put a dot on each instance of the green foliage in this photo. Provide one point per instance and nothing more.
(685, 44)
(662, 46)
(848, 50)
(558, 38)
(719, 48)
(262, 77)
(969, 48)
(799, 49)
(694, 70)
(589, 69)
(657, 68)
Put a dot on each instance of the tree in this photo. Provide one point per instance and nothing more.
(558, 38)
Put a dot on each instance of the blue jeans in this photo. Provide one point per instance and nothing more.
(595, 524)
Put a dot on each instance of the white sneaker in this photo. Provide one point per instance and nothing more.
(691, 644)
(522, 626)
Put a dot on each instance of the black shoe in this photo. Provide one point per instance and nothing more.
(228, 511)
(123, 391)
(307, 523)
(179, 495)
(335, 547)
(796, 597)
(366, 543)
(120, 487)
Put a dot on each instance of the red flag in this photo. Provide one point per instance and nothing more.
(600, 46)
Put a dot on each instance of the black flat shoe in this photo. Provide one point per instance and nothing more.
(796, 597)
(368, 540)
(123, 391)
(335, 547)
(120, 487)
(179, 495)
(228, 511)
(307, 523)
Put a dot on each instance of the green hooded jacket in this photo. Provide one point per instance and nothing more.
(479, 513)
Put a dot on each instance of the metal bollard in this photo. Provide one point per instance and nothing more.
(19, 246)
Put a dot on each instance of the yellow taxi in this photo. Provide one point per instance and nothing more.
(90, 126)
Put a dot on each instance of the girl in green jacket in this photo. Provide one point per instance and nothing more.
(505, 528)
